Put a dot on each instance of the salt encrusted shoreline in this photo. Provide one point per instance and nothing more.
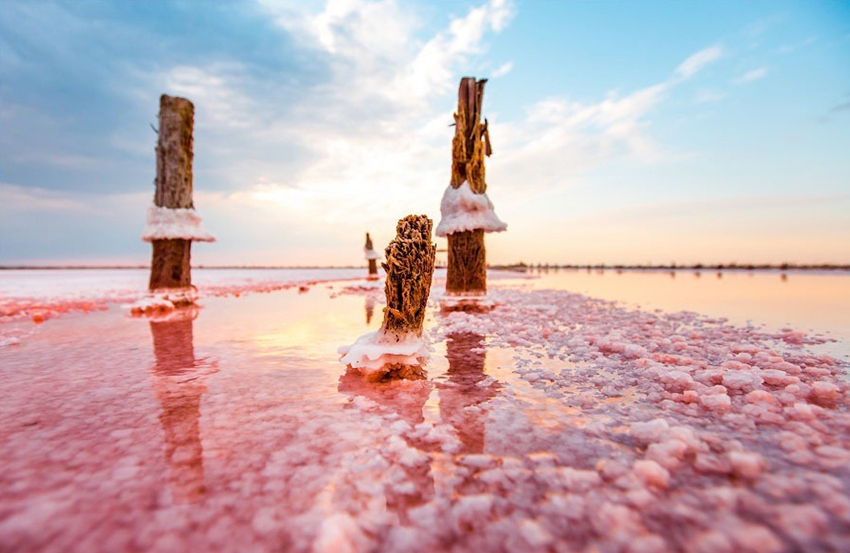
(171, 224)
(463, 210)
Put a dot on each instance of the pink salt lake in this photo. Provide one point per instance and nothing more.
(560, 421)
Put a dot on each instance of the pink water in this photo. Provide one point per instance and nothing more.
(557, 422)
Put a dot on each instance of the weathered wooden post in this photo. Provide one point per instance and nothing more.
(397, 350)
(172, 223)
(372, 257)
(467, 212)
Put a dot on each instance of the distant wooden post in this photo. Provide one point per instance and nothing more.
(467, 256)
(172, 223)
(372, 257)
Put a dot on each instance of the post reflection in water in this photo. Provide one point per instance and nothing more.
(406, 400)
(370, 308)
(466, 355)
(178, 384)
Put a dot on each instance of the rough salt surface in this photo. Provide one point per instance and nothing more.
(463, 210)
(166, 223)
(555, 422)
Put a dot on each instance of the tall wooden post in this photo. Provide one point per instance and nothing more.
(170, 265)
(467, 256)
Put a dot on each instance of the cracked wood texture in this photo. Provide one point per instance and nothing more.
(467, 269)
(409, 267)
(171, 261)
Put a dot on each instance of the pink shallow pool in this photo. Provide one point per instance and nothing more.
(556, 422)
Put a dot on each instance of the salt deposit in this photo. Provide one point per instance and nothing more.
(554, 422)
(165, 223)
(464, 210)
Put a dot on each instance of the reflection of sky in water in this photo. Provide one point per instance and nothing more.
(553, 422)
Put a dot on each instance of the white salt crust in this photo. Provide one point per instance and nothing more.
(371, 254)
(374, 350)
(162, 302)
(463, 210)
(171, 224)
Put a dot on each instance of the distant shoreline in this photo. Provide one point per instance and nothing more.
(514, 267)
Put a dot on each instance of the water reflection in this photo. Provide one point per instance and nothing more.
(370, 308)
(178, 383)
(397, 400)
(465, 390)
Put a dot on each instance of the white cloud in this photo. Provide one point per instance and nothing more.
(698, 61)
(504, 69)
(708, 95)
(751, 76)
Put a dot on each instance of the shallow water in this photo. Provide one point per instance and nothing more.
(555, 422)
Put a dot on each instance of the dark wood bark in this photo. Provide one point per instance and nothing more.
(170, 263)
(472, 139)
(467, 271)
(409, 268)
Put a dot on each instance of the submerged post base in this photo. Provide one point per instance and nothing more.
(471, 301)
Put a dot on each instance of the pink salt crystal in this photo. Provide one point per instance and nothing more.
(337, 535)
(640, 498)
(718, 402)
(676, 381)
(617, 522)
(690, 396)
(649, 432)
(746, 464)
(668, 454)
(711, 541)
(755, 538)
(757, 396)
(801, 412)
(709, 463)
(801, 522)
(825, 392)
(651, 473)
(610, 469)
(745, 381)
(649, 543)
(775, 377)
(578, 480)
(533, 533)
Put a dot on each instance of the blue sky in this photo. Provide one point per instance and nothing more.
(624, 132)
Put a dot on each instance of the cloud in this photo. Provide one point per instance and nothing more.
(696, 62)
(844, 106)
(706, 95)
(751, 76)
(502, 70)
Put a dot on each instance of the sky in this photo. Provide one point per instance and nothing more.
(622, 132)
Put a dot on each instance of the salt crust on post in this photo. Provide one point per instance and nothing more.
(169, 224)
(464, 210)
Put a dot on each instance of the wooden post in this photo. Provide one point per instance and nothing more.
(467, 263)
(373, 263)
(409, 267)
(170, 264)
